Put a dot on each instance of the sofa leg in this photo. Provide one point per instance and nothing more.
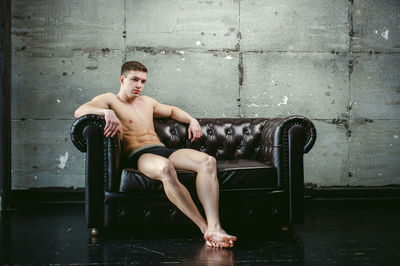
(286, 228)
(94, 232)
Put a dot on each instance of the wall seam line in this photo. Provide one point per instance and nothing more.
(240, 67)
(349, 108)
(124, 32)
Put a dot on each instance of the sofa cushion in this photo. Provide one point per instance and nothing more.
(232, 174)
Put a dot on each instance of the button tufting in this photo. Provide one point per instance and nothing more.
(173, 132)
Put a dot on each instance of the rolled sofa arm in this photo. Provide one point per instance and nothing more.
(111, 148)
(284, 142)
(275, 131)
(102, 164)
(275, 141)
(79, 125)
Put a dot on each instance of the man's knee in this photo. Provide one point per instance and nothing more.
(168, 172)
(209, 164)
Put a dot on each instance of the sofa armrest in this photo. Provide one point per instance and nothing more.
(79, 125)
(275, 130)
(284, 141)
(102, 171)
(111, 148)
(275, 141)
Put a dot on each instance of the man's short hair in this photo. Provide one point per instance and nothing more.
(132, 65)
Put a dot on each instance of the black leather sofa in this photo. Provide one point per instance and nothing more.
(259, 161)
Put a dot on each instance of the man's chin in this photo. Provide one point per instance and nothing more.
(135, 95)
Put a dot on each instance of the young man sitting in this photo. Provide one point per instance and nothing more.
(131, 115)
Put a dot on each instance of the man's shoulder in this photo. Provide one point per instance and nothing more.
(108, 96)
(147, 99)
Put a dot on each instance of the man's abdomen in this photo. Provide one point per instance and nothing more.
(132, 142)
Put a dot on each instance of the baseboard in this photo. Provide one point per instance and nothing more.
(77, 195)
(47, 195)
(352, 193)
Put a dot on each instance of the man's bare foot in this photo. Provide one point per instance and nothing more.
(218, 238)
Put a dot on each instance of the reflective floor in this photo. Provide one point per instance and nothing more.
(334, 233)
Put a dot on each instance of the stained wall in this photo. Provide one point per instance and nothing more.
(336, 62)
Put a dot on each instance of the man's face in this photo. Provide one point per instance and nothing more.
(133, 82)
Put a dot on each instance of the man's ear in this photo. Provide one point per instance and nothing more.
(121, 79)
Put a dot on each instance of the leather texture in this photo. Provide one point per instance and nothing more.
(259, 161)
(236, 174)
(224, 138)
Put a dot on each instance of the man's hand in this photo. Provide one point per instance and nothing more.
(194, 130)
(112, 123)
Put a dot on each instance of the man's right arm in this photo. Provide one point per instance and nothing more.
(100, 105)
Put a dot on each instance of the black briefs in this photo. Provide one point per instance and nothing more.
(157, 149)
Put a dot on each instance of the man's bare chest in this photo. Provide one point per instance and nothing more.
(134, 115)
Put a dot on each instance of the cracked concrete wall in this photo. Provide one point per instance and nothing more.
(335, 62)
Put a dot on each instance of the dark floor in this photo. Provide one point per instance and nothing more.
(334, 233)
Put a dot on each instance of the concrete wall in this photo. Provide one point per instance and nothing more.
(334, 61)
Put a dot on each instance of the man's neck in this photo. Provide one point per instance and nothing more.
(124, 98)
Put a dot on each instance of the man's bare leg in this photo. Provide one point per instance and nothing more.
(207, 190)
(160, 168)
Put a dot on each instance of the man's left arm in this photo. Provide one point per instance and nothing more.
(164, 110)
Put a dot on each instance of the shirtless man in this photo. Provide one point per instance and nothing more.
(132, 116)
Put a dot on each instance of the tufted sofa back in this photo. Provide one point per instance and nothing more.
(223, 138)
(263, 139)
